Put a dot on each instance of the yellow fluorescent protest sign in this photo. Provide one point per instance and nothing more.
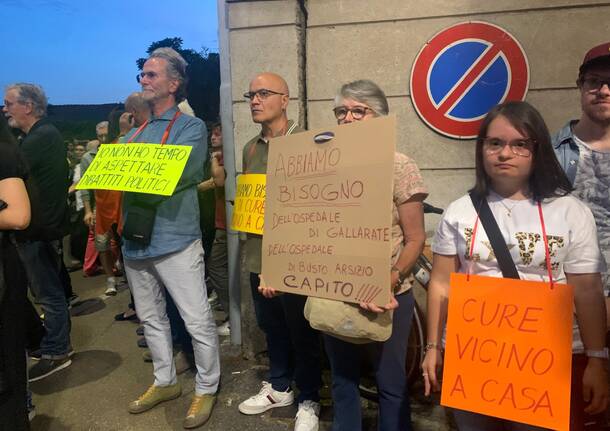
(249, 209)
(136, 167)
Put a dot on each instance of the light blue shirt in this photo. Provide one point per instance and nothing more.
(177, 220)
(566, 150)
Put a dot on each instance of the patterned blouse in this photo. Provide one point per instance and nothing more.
(407, 183)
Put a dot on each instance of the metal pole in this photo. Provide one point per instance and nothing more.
(228, 148)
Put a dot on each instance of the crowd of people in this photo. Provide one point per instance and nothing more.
(531, 182)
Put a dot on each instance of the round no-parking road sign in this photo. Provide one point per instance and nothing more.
(462, 72)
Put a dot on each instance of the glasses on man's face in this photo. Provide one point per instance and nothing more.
(594, 83)
(8, 104)
(149, 75)
(519, 147)
(262, 94)
(358, 112)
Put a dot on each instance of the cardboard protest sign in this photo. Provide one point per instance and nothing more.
(249, 208)
(329, 212)
(509, 349)
(136, 167)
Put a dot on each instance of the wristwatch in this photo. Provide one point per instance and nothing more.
(401, 276)
(601, 354)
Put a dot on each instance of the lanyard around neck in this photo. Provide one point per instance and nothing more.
(165, 134)
(547, 254)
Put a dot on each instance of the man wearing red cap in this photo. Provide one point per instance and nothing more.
(583, 150)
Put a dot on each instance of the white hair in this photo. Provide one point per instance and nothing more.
(364, 91)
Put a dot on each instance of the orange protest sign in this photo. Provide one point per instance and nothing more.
(509, 349)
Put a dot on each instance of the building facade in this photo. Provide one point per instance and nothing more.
(319, 44)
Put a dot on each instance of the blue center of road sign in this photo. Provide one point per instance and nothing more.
(487, 90)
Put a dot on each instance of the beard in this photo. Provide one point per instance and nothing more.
(598, 113)
(599, 117)
(12, 123)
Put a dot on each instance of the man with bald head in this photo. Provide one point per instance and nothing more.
(138, 108)
(293, 346)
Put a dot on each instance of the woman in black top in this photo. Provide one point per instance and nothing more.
(15, 215)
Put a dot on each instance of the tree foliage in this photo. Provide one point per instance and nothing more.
(203, 73)
(71, 130)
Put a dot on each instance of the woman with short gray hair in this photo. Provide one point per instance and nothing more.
(366, 92)
(358, 101)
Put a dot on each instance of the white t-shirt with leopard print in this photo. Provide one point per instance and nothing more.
(570, 229)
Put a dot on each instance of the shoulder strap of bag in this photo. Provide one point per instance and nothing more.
(505, 261)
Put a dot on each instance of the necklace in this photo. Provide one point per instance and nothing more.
(509, 210)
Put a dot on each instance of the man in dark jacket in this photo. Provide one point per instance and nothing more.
(39, 246)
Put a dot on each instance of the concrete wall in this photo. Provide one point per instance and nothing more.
(379, 40)
(264, 36)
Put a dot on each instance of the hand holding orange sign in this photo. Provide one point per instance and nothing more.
(509, 349)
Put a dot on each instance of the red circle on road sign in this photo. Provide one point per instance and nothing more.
(499, 43)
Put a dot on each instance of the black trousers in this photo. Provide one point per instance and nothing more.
(13, 409)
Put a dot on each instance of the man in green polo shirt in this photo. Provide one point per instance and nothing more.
(293, 346)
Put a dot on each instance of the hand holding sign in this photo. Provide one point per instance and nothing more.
(369, 306)
(265, 290)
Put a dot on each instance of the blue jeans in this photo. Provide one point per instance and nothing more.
(42, 261)
(388, 361)
(293, 346)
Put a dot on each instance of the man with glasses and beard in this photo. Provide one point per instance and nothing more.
(583, 150)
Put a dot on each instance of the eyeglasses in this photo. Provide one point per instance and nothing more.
(8, 104)
(593, 83)
(262, 94)
(519, 147)
(149, 75)
(358, 112)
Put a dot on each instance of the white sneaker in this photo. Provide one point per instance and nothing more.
(266, 399)
(110, 287)
(224, 329)
(31, 413)
(307, 416)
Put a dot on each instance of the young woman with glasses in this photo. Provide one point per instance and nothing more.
(519, 176)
